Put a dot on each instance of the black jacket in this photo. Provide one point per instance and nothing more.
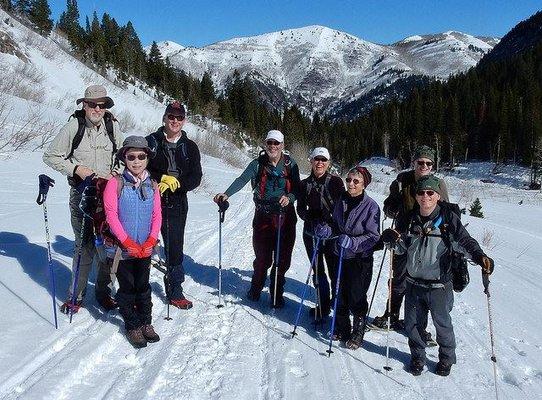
(311, 204)
(187, 158)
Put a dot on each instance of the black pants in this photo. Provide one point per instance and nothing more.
(356, 278)
(134, 294)
(319, 276)
(264, 239)
(174, 212)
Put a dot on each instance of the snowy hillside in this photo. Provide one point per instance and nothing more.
(315, 66)
(244, 350)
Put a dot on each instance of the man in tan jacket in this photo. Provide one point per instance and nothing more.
(83, 150)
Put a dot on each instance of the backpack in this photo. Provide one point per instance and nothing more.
(263, 172)
(458, 261)
(101, 227)
(80, 115)
(326, 202)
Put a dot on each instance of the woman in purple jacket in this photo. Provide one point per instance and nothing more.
(357, 222)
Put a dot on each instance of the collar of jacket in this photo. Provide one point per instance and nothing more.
(160, 136)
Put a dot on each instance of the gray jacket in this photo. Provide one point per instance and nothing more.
(94, 151)
(427, 253)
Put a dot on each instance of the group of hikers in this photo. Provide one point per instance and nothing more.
(341, 228)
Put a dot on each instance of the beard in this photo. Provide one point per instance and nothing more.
(96, 119)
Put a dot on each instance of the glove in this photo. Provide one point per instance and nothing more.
(147, 247)
(131, 247)
(322, 230)
(345, 241)
(44, 183)
(487, 264)
(390, 236)
(168, 182)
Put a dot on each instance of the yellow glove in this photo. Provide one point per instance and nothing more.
(168, 182)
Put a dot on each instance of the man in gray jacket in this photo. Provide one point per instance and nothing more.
(84, 150)
(432, 228)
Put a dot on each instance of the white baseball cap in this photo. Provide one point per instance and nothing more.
(275, 135)
(320, 151)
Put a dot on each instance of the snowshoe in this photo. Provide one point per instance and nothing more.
(67, 306)
(429, 341)
(183, 304)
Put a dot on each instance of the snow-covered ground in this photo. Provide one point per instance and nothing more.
(244, 350)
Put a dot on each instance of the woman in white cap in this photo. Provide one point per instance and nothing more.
(318, 194)
(274, 177)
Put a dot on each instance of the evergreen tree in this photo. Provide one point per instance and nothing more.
(69, 24)
(40, 14)
(6, 5)
(476, 209)
(207, 89)
(23, 7)
(97, 41)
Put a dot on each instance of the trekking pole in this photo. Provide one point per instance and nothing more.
(83, 205)
(387, 366)
(314, 257)
(222, 207)
(44, 183)
(167, 283)
(277, 256)
(485, 281)
(337, 287)
(315, 242)
(376, 284)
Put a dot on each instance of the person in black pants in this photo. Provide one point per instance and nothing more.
(317, 197)
(177, 167)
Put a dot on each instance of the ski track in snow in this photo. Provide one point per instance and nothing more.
(245, 350)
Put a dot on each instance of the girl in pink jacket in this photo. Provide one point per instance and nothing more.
(133, 213)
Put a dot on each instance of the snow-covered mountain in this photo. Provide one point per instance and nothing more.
(318, 67)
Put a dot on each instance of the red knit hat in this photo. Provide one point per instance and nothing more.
(364, 172)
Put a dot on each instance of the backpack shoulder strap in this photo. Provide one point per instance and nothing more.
(109, 119)
(80, 115)
(120, 184)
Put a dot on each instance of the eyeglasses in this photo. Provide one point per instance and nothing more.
(171, 117)
(422, 163)
(354, 180)
(429, 193)
(93, 104)
(319, 159)
(132, 157)
(272, 143)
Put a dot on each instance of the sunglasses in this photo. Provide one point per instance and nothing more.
(132, 157)
(320, 159)
(93, 104)
(355, 180)
(429, 193)
(272, 143)
(422, 163)
(171, 117)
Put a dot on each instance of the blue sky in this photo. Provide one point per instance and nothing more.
(198, 23)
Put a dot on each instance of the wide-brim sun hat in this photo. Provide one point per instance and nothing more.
(97, 93)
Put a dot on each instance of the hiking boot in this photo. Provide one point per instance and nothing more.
(356, 338)
(136, 338)
(150, 335)
(381, 322)
(107, 303)
(183, 304)
(253, 295)
(428, 339)
(443, 368)
(416, 366)
(341, 336)
(279, 302)
(67, 306)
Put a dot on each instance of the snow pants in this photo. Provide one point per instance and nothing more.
(319, 276)
(88, 253)
(264, 240)
(174, 212)
(419, 301)
(398, 283)
(134, 294)
(356, 278)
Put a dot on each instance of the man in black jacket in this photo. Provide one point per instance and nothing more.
(177, 168)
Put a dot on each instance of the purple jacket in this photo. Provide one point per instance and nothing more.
(362, 225)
